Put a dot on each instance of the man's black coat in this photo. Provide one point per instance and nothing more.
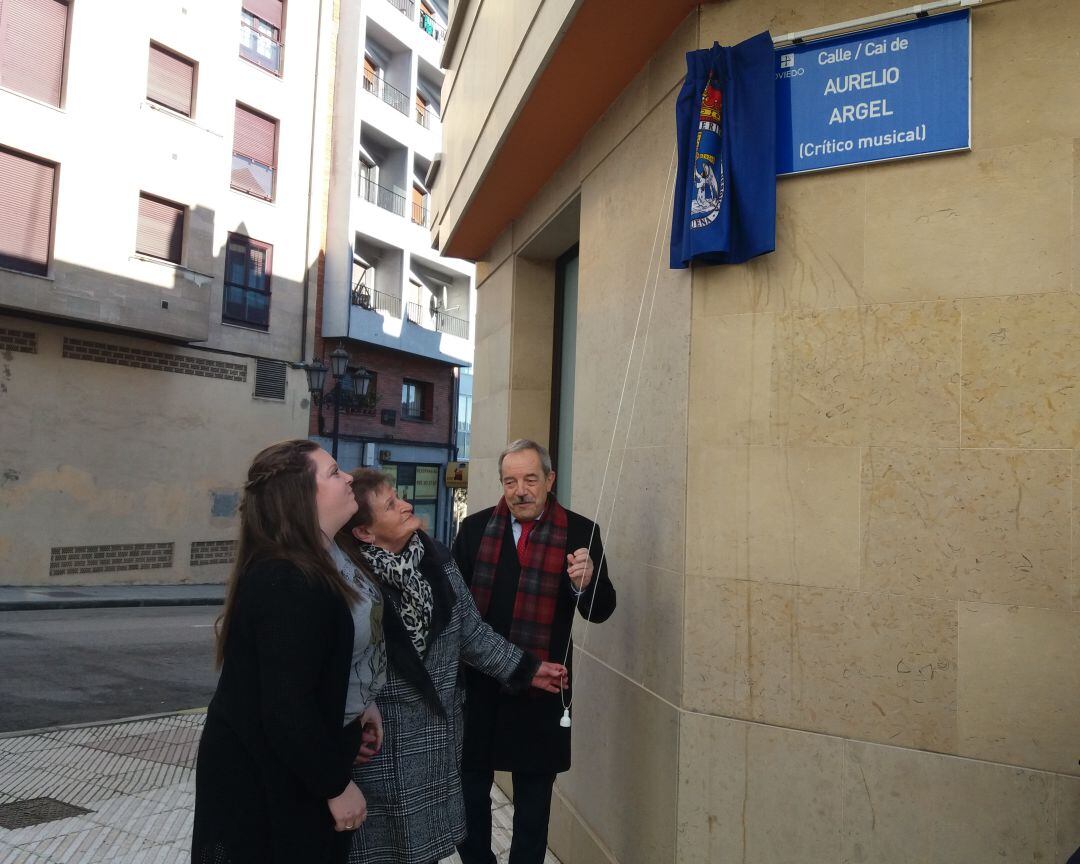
(522, 733)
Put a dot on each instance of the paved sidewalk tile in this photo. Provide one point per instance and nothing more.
(137, 780)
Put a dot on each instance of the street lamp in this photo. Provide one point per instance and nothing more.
(316, 372)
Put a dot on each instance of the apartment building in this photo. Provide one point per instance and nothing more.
(158, 245)
(399, 310)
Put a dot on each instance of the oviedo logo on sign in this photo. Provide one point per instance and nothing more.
(888, 93)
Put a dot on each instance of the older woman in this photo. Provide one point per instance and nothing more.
(413, 784)
(273, 781)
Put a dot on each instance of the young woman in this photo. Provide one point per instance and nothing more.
(413, 784)
(273, 772)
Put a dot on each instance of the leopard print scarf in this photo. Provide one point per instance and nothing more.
(402, 571)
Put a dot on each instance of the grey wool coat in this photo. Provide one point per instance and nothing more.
(416, 814)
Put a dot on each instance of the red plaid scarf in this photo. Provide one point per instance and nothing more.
(541, 574)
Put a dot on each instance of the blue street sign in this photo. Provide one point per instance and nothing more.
(887, 93)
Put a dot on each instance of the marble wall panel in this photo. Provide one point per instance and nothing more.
(648, 523)
(870, 375)
(625, 764)
(1019, 686)
(757, 794)
(1024, 65)
(1020, 371)
(731, 22)
(908, 807)
(989, 525)
(930, 222)
(818, 261)
(643, 639)
(733, 395)
(771, 514)
(629, 298)
(739, 654)
(876, 667)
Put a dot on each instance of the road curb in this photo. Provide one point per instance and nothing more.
(111, 603)
(42, 730)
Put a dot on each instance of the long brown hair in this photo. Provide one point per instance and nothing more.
(279, 519)
(366, 482)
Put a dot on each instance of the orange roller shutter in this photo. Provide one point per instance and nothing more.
(26, 210)
(161, 229)
(268, 10)
(170, 80)
(33, 35)
(254, 136)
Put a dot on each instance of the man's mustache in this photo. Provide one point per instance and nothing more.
(524, 499)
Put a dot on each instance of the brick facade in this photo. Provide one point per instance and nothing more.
(391, 368)
(114, 558)
(159, 361)
(23, 341)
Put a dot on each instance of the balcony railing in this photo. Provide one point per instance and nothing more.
(260, 48)
(420, 215)
(377, 301)
(440, 321)
(405, 7)
(426, 117)
(387, 92)
(432, 27)
(388, 199)
(252, 177)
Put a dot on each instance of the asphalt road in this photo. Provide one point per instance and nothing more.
(84, 665)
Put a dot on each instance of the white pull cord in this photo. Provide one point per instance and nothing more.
(658, 257)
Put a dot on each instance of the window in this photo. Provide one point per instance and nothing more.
(422, 111)
(26, 211)
(415, 400)
(33, 38)
(247, 282)
(260, 33)
(161, 228)
(170, 80)
(419, 206)
(371, 75)
(254, 153)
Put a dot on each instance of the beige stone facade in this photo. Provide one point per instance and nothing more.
(844, 528)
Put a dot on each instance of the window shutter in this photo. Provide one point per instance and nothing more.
(26, 205)
(170, 80)
(161, 229)
(269, 10)
(33, 34)
(254, 136)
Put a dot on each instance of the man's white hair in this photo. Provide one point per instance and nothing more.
(527, 444)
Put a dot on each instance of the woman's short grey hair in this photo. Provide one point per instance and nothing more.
(527, 444)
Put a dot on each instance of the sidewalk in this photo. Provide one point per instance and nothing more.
(20, 598)
(119, 792)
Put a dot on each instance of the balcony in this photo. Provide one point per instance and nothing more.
(420, 215)
(388, 199)
(376, 301)
(426, 117)
(405, 7)
(252, 177)
(438, 321)
(260, 49)
(432, 27)
(388, 93)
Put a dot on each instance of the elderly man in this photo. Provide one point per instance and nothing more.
(529, 564)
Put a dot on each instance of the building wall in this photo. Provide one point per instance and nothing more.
(105, 447)
(842, 635)
(149, 444)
